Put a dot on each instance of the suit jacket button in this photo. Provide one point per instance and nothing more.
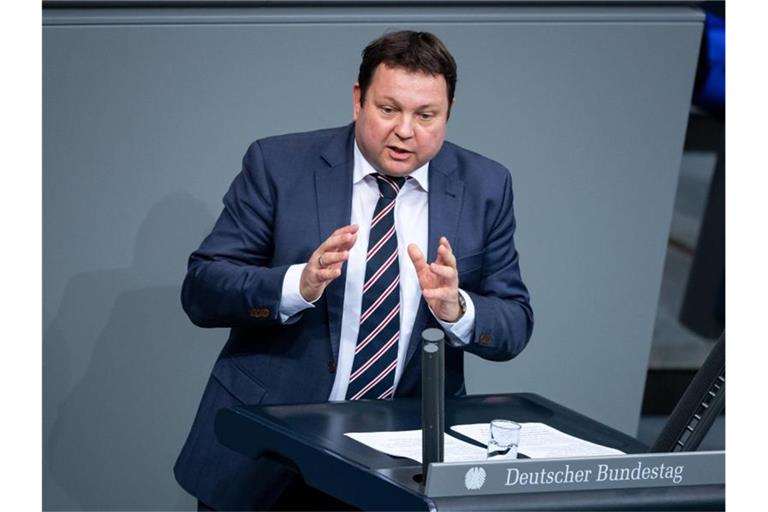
(331, 366)
(485, 339)
(260, 312)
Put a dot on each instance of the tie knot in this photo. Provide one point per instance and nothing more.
(389, 187)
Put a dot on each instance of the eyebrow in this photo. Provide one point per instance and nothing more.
(420, 107)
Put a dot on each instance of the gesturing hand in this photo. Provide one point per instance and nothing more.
(325, 263)
(439, 280)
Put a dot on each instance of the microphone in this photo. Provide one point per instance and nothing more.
(432, 397)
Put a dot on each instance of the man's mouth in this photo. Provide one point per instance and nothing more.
(398, 150)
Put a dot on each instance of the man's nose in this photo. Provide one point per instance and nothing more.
(404, 127)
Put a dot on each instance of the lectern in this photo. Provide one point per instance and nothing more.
(312, 437)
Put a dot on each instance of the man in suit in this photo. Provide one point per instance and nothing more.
(317, 264)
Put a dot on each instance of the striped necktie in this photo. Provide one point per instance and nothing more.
(373, 370)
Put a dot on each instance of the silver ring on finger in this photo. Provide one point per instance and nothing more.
(320, 261)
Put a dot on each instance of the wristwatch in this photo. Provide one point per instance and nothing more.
(462, 306)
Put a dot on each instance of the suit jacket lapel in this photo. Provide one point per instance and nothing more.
(446, 193)
(333, 184)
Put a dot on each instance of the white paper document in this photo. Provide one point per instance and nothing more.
(407, 443)
(540, 441)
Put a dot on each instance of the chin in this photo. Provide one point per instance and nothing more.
(398, 173)
(398, 169)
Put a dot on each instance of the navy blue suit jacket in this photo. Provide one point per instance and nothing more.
(292, 193)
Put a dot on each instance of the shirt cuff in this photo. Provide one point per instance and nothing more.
(460, 332)
(291, 301)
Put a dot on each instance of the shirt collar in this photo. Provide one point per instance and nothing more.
(363, 168)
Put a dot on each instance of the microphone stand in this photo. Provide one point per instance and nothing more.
(432, 398)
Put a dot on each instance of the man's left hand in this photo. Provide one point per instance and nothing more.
(439, 280)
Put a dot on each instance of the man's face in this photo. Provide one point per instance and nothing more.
(402, 123)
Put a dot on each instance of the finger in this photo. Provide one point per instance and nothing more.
(332, 258)
(340, 234)
(351, 228)
(445, 254)
(444, 271)
(324, 275)
(444, 240)
(339, 242)
(317, 260)
(417, 257)
(444, 294)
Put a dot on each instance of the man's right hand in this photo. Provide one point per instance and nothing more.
(325, 263)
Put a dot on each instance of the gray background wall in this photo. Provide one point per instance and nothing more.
(147, 114)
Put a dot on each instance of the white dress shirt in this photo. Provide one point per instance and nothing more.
(411, 224)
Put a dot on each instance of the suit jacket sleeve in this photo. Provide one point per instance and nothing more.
(503, 314)
(229, 281)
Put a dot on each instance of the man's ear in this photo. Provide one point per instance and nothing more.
(356, 92)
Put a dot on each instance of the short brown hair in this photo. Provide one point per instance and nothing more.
(413, 51)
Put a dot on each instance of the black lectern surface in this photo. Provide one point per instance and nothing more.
(312, 437)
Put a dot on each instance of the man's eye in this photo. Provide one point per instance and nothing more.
(387, 110)
(426, 116)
